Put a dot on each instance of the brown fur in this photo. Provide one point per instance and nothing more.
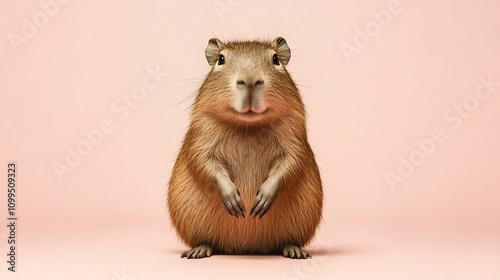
(247, 153)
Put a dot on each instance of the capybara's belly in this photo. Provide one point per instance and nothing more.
(200, 218)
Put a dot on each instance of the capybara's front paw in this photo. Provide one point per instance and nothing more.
(232, 202)
(198, 252)
(294, 252)
(263, 200)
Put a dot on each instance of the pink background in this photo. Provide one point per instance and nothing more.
(106, 219)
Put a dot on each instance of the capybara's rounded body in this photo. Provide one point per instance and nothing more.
(246, 145)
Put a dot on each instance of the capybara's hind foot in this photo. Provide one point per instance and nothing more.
(294, 252)
(198, 252)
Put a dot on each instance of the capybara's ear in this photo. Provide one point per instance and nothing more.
(281, 47)
(213, 49)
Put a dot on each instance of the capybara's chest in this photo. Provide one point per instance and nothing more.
(249, 157)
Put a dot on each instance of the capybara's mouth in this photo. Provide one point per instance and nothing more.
(249, 115)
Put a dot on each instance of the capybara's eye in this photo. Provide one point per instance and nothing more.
(222, 60)
(275, 59)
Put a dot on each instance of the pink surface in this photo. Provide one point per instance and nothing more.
(409, 91)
